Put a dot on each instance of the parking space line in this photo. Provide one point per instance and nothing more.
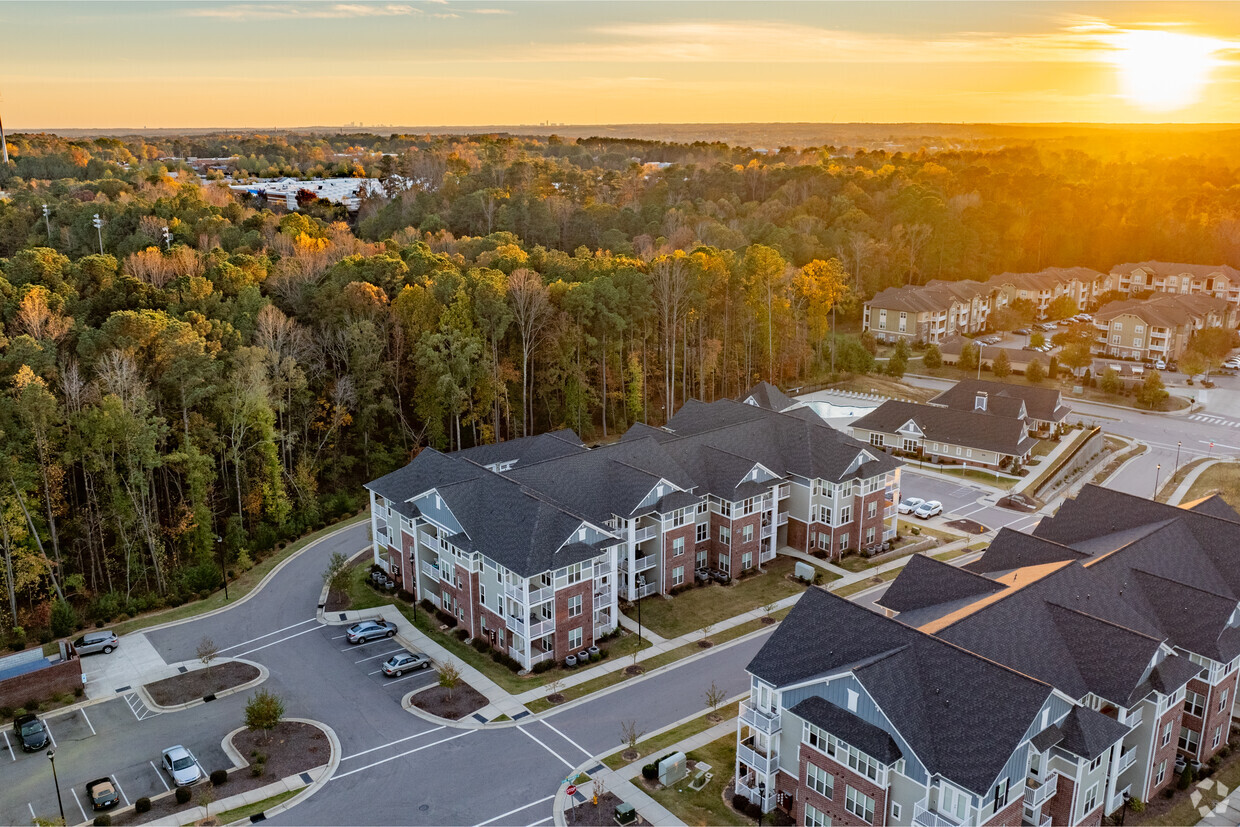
(390, 744)
(544, 821)
(78, 801)
(353, 646)
(405, 678)
(566, 738)
(403, 754)
(337, 637)
(117, 782)
(547, 748)
(384, 655)
(519, 809)
(8, 746)
(88, 723)
(50, 736)
(159, 775)
(274, 643)
(34, 818)
(269, 634)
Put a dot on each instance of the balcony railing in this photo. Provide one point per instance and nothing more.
(1127, 759)
(784, 490)
(1039, 790)
(646, 562)
(646, 590)
(646, 533)
(514, 590)
(1133, 718)
(537, 657)
(530, 628)
(541, 595)
(768, 722)
(430, 571)
(925, 817)
(750, 791)
(763, 763)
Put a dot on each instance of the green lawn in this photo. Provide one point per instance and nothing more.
(974, 474)
(1044, 447)
(1182, 810)
(868, 583)
(229, 816)
(1222, 479)
(239, 587)
(707, 605)
(1169, 486)
(905, 528)
(661, 742)
(705, 806)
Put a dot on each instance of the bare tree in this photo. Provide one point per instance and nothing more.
(531, 307)
(206, 652)
(714, 697)
(630, 734)
(553, 689)
(449, 677)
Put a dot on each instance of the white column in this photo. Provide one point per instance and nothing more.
(631, 550)
(374, 528)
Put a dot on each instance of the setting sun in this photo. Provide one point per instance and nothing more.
(1164, 70)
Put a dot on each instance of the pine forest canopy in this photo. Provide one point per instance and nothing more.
(242, 380)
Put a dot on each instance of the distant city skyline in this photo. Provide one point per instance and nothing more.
(455, 63)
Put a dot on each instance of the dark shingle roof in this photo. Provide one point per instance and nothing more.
(766, 395)
(962, 714)
(1040, 403)
(526, 450)
(873, 741)
(1013, 550)
(1088, 733)
(1215, 506)
(925, 582)
(974, 430)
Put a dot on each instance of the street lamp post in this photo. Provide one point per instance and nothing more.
(167, 239)
(219, 545)
(51, 756)
(1157, 471)
(761, 800)
(1177, 458)
(98, 224)
(47, 217)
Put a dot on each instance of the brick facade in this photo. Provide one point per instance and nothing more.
(64, 676)
(671, 560)
(842, 778)
(584, 620)
(1059, 808)
(1165, 752)
(740, 546)
(1011, 814)
(798, 535)
(1215, 718)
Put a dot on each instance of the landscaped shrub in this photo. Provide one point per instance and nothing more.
(480, 644)
(543, 666)
(184, 794)
(426, 603)
(650, 771)
(406, 596)
(595, 657)
(461, 634)
(142, 805)
(218, 777)
(103, 820)
(505, 660)
(739, 802)
(1187, 778)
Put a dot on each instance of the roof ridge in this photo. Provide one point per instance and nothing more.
(1054, 605)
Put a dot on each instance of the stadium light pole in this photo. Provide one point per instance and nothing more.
(97, 222)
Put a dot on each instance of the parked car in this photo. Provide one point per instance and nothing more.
(907, 504)
(1233, 363)
(31, 732)
(370, 630)
(102, 793)
(1159, 364)
(99, 641)
(928, 509)
(397, 665)
(1021, 331)
(181, 765)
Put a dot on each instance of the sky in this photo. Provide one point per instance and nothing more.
(114, 65)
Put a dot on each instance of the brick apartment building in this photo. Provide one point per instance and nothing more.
(533, 542)
(1158, 326)
(1219, 281)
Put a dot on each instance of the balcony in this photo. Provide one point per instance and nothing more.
(768, 722)
(602, 593)
(643, 563)
(428, 540)
(784, 490)
(430, 571)
(515, 590)
(530, 628)
(1126, 760)
(925, 817)
(646, 590)
(749, 788)
(646, 533)
(1039, 790)
(1133, 718)
(538, 657)
(541, 595)
(763, 762)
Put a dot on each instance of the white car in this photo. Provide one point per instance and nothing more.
(907, 504)
(1232, 364)
(1160, 365)
(928, 509)
(181, 765)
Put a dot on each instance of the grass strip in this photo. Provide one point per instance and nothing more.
(238, 813)
(662, 741)
(869, 582)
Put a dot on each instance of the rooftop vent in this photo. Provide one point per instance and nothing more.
(979, 404)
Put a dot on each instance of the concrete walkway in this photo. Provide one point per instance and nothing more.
(1225, 813)
(631, 624)
(1181, 492)
(1035, 477)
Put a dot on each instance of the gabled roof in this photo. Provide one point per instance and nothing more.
(925, 582)
(1165, 309)
(525, 450)
(1162, 268)
(857, 732)
(1088, 733)
(1213, 505)
(963, 715)
(974, 430)
(1045, 279)
(1013, 550)
(766, 395)
(1040, 403)
(428, 469)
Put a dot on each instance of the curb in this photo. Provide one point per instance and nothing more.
(325, 775)
(263, 674)
(321, 611)
(1145, 449)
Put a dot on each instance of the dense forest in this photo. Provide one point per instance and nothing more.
(168, 400)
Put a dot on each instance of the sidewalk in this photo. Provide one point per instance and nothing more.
(1035, 475)
(1186, 484)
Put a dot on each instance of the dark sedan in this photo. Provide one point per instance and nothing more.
(102, 794)
(31, 732)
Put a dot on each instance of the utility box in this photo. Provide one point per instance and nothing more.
(804, 571)
(625, 814)
(673, 768)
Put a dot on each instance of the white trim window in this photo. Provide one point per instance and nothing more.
(725, 535)
(703, 532)
(574, 638)
(1166, 736)
(819, 780)
(678, 546)
(815, 817)
(859, 804)
(1091, 798)
(678, 575)
(1195, 704)
(574, 605)
(1222, 699)
(1190, 739)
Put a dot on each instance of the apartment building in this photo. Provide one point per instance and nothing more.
(888, 725)
(928, 313)
(1125, 606)
(1080, 284)
(1042, 409)
(1220, 282)
(1159, 326)
(532, 543)
(980, 436)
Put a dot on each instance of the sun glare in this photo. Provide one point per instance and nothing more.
(1163, 70)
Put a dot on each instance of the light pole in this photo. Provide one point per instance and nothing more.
(51, 756)
(98, 224)
(167, 239)
(761, 800)
(47, 217)
(219, 545)
(1177, 458)
(1157, 470)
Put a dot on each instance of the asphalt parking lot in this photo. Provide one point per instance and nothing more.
(118, 738)
(365, 660)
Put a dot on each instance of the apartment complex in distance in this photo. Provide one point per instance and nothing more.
(1106, 643)
(532, 543)
(1158, 326)
(1221, 282)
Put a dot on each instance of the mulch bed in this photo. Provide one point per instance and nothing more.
(294, 748)
(192, 686)
(339, 601)
(635, 669)
(588, 815)
(968, 526)
(705, 644)
(465, 700)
